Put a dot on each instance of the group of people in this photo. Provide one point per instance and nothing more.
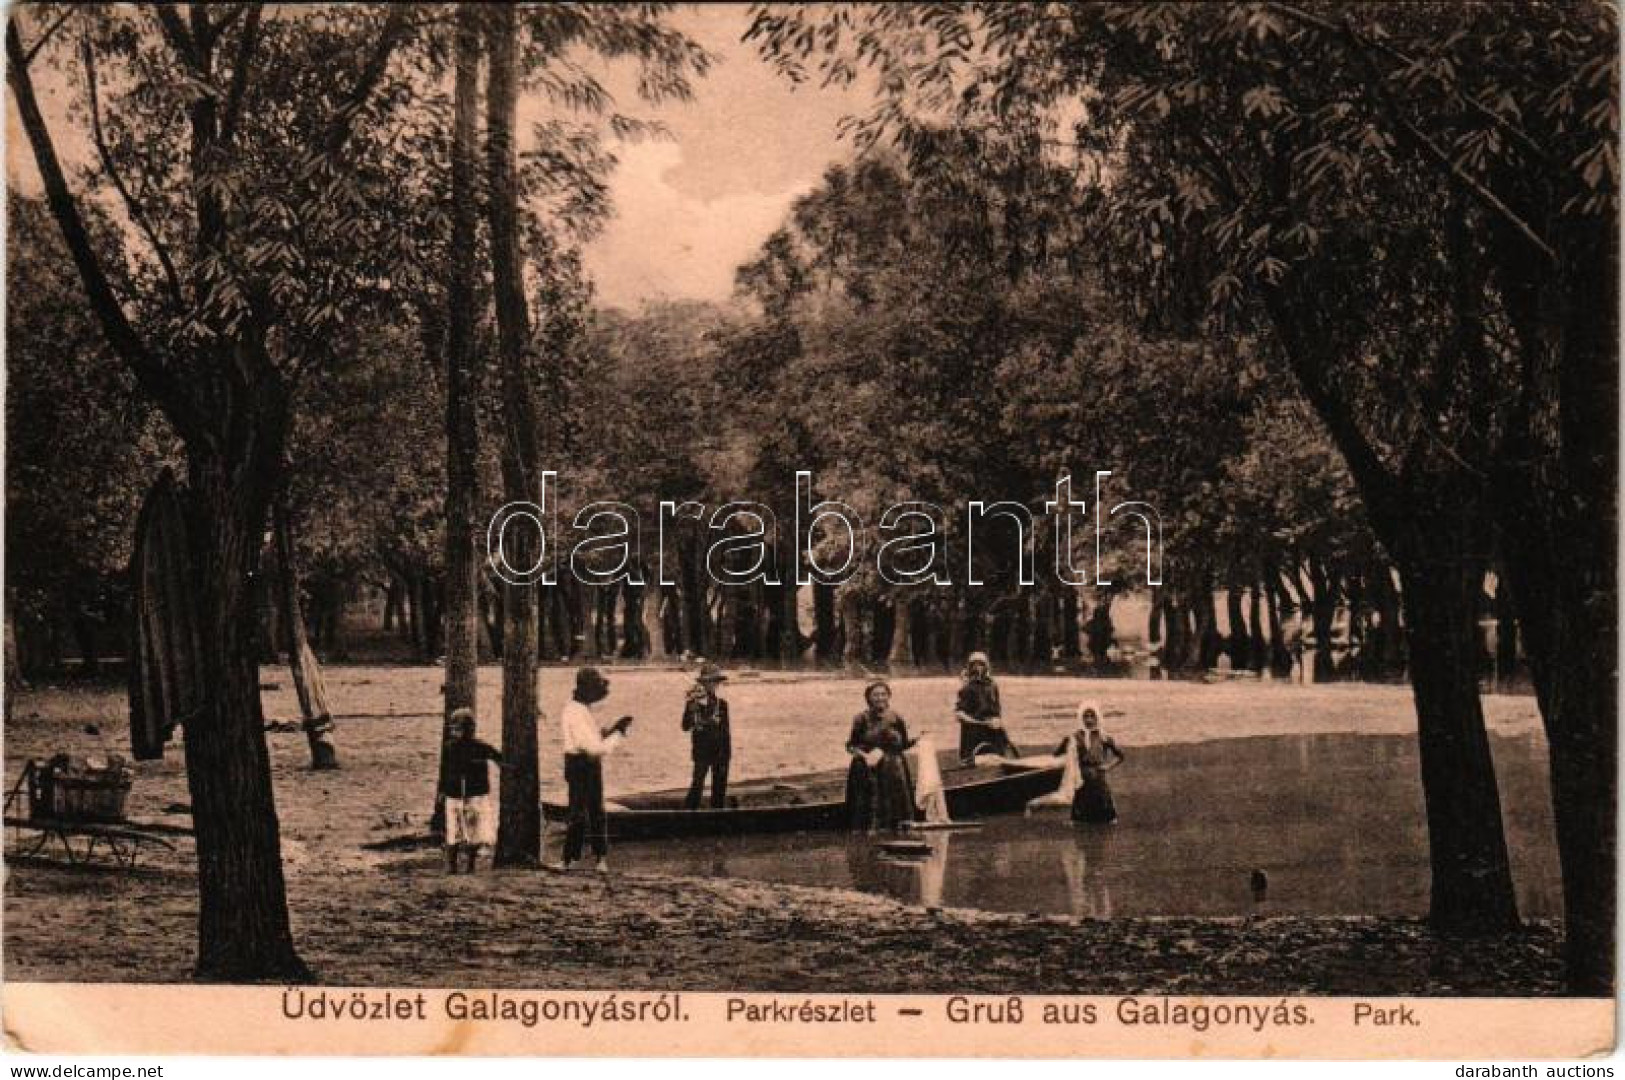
(880, 786)
(465, 786)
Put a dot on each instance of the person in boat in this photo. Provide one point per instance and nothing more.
(585, 744)
(705, 718)
(466, 787)
(1097, 755)
(981, 723)
(879, 788)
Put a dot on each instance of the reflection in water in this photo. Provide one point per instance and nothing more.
(1333, 823)
(934, 870)
(1084, 861)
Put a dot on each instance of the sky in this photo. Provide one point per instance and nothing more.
(690, 209)
(687, 209)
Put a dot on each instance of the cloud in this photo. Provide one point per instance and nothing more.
(665, 242)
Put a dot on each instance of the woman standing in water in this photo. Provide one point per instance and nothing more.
(879, 789)
(1097, 755)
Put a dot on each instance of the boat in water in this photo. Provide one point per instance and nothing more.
(812, 801)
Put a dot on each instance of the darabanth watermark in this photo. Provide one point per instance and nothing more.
(911, 548)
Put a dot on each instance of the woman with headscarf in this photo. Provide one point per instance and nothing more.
(1096, 755)
(879, 789)
(981, 727)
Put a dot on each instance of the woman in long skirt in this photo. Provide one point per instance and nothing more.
(879, 788)
(1097, 755)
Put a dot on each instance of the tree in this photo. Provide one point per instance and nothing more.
(519, 837)
(231, 294)
(536, 44)
(462, 386)
(307, 674)
(81, 448)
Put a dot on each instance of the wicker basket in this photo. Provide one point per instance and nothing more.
(71, 789)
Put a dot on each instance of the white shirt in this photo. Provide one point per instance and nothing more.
(581, 731)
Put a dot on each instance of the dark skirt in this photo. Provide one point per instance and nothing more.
(975, 739)
(1092, 802)
(881, 797)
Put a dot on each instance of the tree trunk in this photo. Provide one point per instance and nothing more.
(1238, 640)
(725, 622)
(1323, 616)
(958, 631)
(1472, 880)
(656, 640)
(1100, 630)
(1391, 633)
(317, 720)
(491, 615)
(1042, 608)
(333, 623)
(13, 662)
(1442, 580)
(851, 608)
(787, 598)
(593, 632)
(411, 615)
(671, 620)
(899, 657)
(1280, 657)
(519, 830)
(1569, 642)
(634, 645)
(824, 624)
(697, 638)
(1557, 497)
(462, 592)
(243, 933)
(1257, 647)
(434, 637)
(1208, 641)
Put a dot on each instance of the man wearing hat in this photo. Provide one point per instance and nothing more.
(585, 744)
(706, 716)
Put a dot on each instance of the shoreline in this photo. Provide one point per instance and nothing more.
(409, 924)
(363, 917)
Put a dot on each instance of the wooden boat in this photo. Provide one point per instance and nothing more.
(811, 801)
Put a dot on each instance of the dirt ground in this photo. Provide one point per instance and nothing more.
(364, 916)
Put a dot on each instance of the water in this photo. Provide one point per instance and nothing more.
(1335, 822)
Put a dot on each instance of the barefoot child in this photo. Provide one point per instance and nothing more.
(470, 822)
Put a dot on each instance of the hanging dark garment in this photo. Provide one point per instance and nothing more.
(165, 662)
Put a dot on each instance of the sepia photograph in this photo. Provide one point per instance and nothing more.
(902, 529)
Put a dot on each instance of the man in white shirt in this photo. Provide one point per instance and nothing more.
(585, 744)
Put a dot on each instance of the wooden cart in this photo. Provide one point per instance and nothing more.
(83, 816)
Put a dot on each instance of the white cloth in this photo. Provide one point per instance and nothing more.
(928, 794)
(582, 734)
(1071, 779)
(470, 821)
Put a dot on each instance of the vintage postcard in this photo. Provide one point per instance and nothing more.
(1020, 530)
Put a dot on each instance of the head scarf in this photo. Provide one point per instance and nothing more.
(1091, 706)
(975, 657)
